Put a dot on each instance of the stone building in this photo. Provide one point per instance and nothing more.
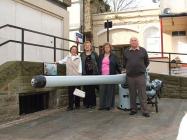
(143, 24)
(159, 29)
(92, 7)
(80, 19)
(173, 20)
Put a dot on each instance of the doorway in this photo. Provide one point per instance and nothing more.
(118, 50)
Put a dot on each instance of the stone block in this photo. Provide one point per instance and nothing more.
(6, 100)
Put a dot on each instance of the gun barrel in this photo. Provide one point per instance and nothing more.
(41, 81)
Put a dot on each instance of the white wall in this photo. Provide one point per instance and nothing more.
(159, 67)
(74, 20)
(74, 15)
(28, 16)
(180, 46)
(176, 6)
(117, 36)
(152, 41)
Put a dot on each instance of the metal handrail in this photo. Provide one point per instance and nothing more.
(168, 53)
(32, 44)
(37, 32)
(22, 42)
(169, 59)
(6, 42)
(3, 26)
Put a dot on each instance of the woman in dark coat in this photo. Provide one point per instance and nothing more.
(108, 65)
(89, 67)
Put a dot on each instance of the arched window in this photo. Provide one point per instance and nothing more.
(152, 41)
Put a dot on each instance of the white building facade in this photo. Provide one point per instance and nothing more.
(174, 27)
(76, 22)
(44, 16)
(143, 24)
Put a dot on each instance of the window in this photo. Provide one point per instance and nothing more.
(179, 33)
(152, 41)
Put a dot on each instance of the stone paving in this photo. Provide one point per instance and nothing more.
(92, 124)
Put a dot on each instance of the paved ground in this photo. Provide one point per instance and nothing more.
(87, 124)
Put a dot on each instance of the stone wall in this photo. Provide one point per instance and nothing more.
(15, 81)
(87, 16)
(174, 86)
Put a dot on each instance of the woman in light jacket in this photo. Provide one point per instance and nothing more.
(73, 67)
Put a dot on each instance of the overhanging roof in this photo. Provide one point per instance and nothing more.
(174, 22)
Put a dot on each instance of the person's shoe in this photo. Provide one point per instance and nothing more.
(132, 113)
(77, 107)
(146, 115)
(92, 107)
(69, 108)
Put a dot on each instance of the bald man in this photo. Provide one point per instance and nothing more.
(135, 62)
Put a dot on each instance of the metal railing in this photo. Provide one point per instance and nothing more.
(169, 61)
(23, 43)
(54, 47)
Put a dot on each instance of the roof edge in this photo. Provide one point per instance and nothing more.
(173, 15)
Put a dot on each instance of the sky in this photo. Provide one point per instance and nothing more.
(145, 4)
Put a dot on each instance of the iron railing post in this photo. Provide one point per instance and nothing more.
(22, 44)
(54, 49)
(169, 63)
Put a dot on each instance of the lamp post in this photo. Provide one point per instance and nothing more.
(107, 25)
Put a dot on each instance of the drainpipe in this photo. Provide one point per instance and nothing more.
(83, 20)
(161, 35)
(161, 31)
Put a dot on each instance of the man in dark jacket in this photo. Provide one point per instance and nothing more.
(135, 62)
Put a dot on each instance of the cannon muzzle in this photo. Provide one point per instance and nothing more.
(38, 81)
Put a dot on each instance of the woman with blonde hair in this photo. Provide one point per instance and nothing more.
(108, 65)
(89, 67)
